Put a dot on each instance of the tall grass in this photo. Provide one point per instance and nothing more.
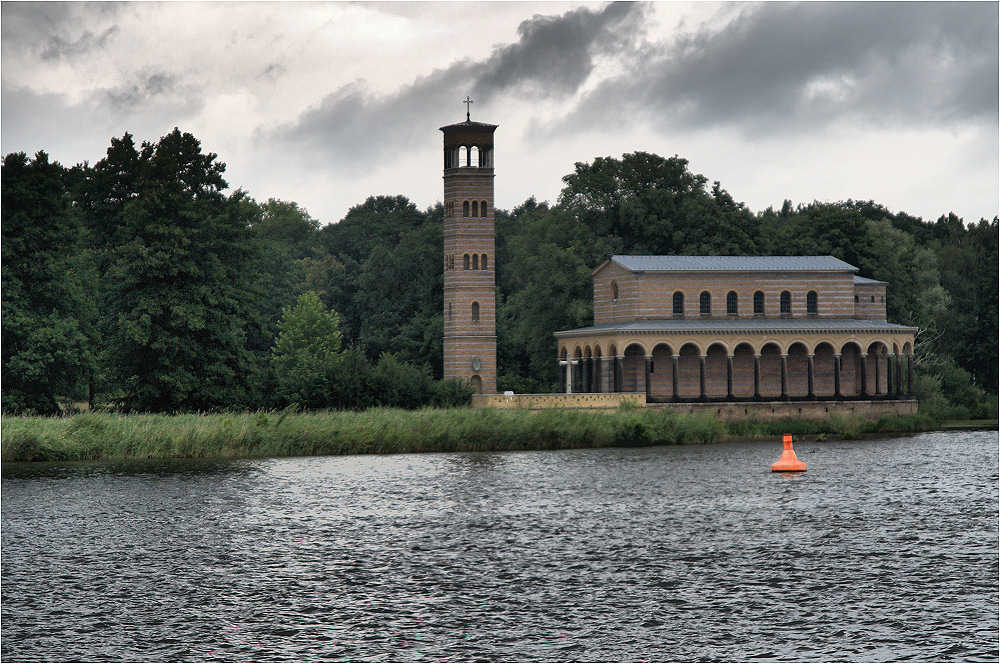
(106, 436)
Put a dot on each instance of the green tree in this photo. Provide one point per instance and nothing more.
(46, 354)
(176, 296)
(306, 353)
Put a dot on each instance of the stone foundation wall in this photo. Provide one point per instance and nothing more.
(761, 411)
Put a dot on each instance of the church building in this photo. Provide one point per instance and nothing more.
(750, 331)
(738, 328)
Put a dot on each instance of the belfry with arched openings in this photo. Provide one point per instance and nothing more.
(695, 329)
(470, 342)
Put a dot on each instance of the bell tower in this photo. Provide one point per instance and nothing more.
(470, 340)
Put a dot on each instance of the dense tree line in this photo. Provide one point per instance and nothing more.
(138, 283)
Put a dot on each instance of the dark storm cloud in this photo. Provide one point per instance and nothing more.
(553, 56)
(779, 67)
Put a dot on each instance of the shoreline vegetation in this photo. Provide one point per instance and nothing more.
(95, 436)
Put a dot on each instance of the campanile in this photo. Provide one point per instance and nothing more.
(470, 340)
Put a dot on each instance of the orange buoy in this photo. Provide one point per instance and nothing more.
(788, 461)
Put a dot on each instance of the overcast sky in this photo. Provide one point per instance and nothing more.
(326, 104)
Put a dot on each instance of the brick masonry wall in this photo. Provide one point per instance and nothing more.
(762, 411)
(870, 301)
(465, 337)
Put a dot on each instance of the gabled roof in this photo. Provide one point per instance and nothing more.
(732, 264)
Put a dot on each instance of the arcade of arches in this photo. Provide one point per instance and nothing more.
(702, 370)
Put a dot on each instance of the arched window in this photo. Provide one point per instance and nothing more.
(465, 208)
(614, 290)
(705, 303)
(758, 303)
(475, 261)
(482, 209)
(786, 303)
(474, 156)
(463, 156)
(678, 303)
(483, 264)
(475, 312)
(465, 262)
(811, 303)
(475, 208)
(485, 157)
(732, 303)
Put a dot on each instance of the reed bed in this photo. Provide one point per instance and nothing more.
(111, 436)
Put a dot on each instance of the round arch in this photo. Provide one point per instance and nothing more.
(662, 375)
(717, 371)
(797, 370)
(634, 369)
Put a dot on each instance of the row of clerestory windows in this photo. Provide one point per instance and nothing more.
(733, 302)
(470, 262)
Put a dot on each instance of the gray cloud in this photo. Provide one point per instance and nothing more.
(60, 47)
(53, 29)
(139, 92)
(553, 57)
(780, 67)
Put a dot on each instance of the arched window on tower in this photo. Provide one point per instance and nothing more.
(483, 264)
(475, 208)
(475, 312)
(465, 262)
(463, 157)
(812, 306)
(486, 157)
(475, 261)
(786, 303)
(758, 303)
(732, 303)
(482, 209)
(678, 303)
(705, 303)
(465, 208)
(474, 157)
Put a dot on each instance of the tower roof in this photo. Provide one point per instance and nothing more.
(469, 125)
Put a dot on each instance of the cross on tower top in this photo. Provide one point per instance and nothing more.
(467, 101)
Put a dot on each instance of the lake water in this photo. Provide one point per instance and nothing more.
(883, 550)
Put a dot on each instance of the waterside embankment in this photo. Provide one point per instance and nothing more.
(112, 436)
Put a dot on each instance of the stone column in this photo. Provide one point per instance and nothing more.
(729, 379)
(812, 377)
(909, 376)
(878, 374)
(701, 377)
(756, 377)
(675, 361)
(784, 377)
(899, 376)
(864, 375)
(607, 382)
(649, 378)
(889, 382)
(836, 376)
(564, 368)
(619, 370)
(585, 374)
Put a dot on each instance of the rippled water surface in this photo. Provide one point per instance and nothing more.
(883, 550)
